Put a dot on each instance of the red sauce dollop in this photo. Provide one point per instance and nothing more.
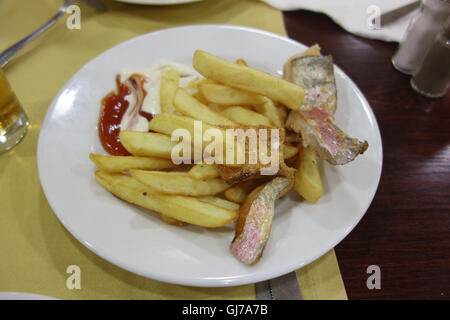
(113, 108)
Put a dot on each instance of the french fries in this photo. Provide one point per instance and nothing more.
(227, 96)
(249, 79)
(231, 96)
(239, 192)
(171, 221)
(307, 178)
(270, 111)
(167, 123)
(203, 171)
(187, 209)
(245, 116)
(181, 183)
(220, 202)
(168, 88)
(147, 144)
(189, 106)
(125, 163)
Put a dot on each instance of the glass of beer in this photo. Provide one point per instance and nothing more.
(13, 120)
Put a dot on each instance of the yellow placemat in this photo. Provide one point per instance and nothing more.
(35, 248)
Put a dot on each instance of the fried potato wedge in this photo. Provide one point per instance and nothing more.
(125, 163)
(189, 106)
(245, 116)
(220, 202)
(199, 96)
(147, 144)
(171, 221)
(168, 88)
(167, 123)
(203, 171)
(270, 111)
(187, 209)
(227, 96)
(179, 183)
(307, 177)
(238, 193)
(245, 78)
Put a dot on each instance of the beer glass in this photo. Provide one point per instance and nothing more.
(13, 120)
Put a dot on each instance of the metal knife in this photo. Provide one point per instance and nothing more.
(6, 55)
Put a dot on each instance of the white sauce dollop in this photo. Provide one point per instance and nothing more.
(151, 103)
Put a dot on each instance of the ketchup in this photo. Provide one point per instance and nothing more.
(113, 108)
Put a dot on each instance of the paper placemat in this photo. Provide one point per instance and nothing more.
(36, 249)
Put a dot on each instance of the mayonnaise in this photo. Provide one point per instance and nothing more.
(151, 103)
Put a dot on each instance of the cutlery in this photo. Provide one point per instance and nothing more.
(6, 55)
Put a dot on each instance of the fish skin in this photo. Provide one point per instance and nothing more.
(315, 119)
(255, 220)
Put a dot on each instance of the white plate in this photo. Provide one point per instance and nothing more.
(23, 296)
(158, 2)
(137, 240)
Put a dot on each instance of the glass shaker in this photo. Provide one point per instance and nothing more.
(420, 34)
(433, 77)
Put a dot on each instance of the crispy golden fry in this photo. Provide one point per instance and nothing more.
(220, 202)
(270, 111)
(307, 178)
(171, 221)
(289, 151)
(187, 209)
(249, 79)
(179, 183)
(245, 116)
(239, 192)
(147, 144)
(125, 163)
(227, 96)
(217, 107)
(193, 85)
(168, 88)
(242, 62)
(203, 171)
(167, 123)
(282, 112)
(199, 96)
(189, 106)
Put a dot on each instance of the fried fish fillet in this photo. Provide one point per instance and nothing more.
(255, 220)
(315, 119)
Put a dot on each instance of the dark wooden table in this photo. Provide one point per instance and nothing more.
(406, 231)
